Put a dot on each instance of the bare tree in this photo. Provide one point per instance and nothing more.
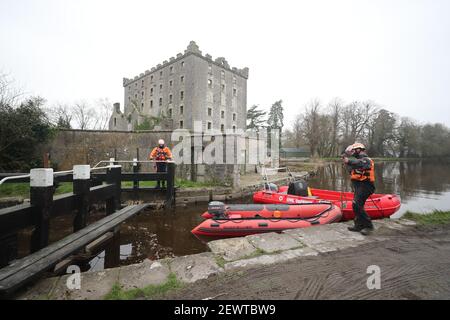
(102, 114)
(310, 125)
(9, 95)
(335, 109)
(84, 116)
(61, 115)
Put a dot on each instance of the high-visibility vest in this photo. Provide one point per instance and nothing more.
(161, 154)
(364, 174)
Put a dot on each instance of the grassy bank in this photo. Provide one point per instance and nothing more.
(23, 189)
(435, 217)
(149, 292)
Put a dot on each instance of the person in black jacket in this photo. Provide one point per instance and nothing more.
(363, 178)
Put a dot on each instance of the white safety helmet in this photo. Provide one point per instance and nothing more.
(161, 141)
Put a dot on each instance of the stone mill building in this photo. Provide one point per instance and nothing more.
(186, 88)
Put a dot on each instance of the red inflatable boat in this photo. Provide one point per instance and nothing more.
(378, 206)
(243, 220)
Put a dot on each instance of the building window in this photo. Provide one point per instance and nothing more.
(129, 99)
(182, 95)
(160, 74)
(234, 116)
(170, 83)
(222, 73)
(135, 96)
(142, 83)
(234, 80)
(170, 113)
(209, 125)
(234, 128)
(209, 112)
(160, 87)
(222, 128)
(171, 70)
(234, 92)
(142, 106)
(181, 124)
(210, 69)
(182, 64)
(160, 102)
(181, 109)
(115, 122)
(209, 83)
(170, 98)
(151, 78)
(142, 93)
(222, 114)
(151, 103)
(151, 91)
(182, 79)
(223, 88)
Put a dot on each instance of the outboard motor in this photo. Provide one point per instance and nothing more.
(298, 188)
(271, 187)
(216, 209)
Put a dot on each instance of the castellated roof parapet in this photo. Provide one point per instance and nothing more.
(193, 48)
(147, 71)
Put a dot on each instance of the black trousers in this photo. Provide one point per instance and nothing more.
(161, 167)
(363, 189)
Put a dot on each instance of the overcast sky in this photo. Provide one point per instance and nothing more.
(394, 52)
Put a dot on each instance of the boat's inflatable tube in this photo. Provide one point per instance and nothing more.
(251, 220)
(377, 206)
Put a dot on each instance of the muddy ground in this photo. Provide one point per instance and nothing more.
(414, 264)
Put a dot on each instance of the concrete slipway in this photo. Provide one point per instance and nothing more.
(225, 256)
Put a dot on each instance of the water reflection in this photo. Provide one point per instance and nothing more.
(422, 185)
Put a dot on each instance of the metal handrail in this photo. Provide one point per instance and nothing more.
(14, 177)
(56, 173)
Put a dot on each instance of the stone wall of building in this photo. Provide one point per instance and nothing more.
(71, 147)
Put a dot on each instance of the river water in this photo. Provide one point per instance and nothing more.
(422, 185)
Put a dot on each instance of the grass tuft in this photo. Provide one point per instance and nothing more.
(435, 217)
(149, 292)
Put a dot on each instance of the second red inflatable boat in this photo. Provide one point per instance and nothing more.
(242, 220)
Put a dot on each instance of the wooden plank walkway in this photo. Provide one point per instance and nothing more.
(28, 268)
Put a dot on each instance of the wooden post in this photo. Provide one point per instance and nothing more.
(112, 250)
(135, 170)
(8, 248)
(41, 198)
(170, 180)
(114, 176)
(81, 187)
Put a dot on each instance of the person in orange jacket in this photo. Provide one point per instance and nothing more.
(161, 153)
(362, 175)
